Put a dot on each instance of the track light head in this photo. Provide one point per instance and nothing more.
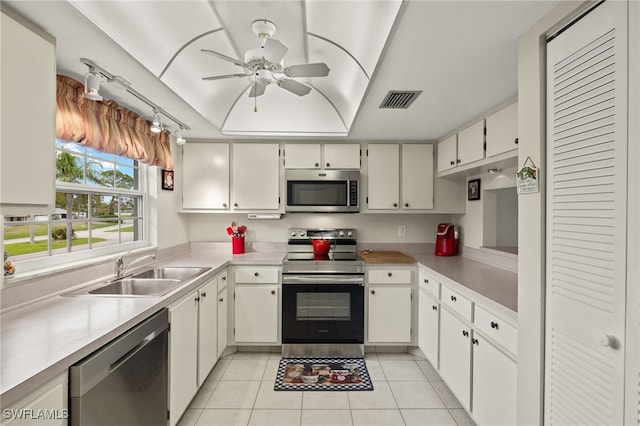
(156, 124)
(180, 140)
(92, 81)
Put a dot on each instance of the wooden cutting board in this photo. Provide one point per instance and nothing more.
(386, 257)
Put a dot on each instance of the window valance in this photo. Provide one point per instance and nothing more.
(108, 127)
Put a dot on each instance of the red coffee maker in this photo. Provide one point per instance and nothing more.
(447, 240)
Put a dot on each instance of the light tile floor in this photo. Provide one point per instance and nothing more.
(407, 391)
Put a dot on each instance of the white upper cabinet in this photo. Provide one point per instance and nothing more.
(205, 176)
(417, 176)
(322, 156)
(471, 144)
(28, 66)
(502, 130)
(256, 176)
(383, 176)
(448, 153)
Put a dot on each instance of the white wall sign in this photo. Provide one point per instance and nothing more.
(528, 178)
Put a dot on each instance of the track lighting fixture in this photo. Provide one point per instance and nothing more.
(180, 140)
(92, 82)
(156, 124)
(98, 75)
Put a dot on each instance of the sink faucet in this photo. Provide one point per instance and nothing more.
(120, 268)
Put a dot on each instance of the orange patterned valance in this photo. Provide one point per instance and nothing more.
(108, 127)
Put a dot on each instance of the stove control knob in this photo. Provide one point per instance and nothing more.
(294, 233)
(341, 233)
(349, 234)
(302, 233)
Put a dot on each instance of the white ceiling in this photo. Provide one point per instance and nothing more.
(461, 54)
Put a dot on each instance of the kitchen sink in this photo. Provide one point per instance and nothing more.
(152, 282)
(137, 287)
(169, 273)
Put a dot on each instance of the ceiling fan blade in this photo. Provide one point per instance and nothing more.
(274, 50)
(318, 69)
(220, 77)
(257, 90)
(224, 57)
(294, 86)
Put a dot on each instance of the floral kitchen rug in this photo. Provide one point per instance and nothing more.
(323, 374)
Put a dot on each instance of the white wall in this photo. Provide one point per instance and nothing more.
(421, 228)
(531, 208)
(474, 224)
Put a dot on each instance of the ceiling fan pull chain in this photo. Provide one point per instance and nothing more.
(255, 97)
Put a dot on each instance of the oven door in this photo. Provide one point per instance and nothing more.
(322, 313)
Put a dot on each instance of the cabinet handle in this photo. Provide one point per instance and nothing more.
(453, 163)
(426, 281)
(204, 294)
(317, 164)
(453, 298)
(255, 274)
(389, 274)
(235, 204)
(328, 164)
(515, 141)
(221, 299)
(373, 292)
(224, 205)
(395, 204)
(494, 325)
(434, 307)
(406, 204)
(465, 333)
(224, 278)
(273, 292)
(458, 161)
(197, 299)
(474, 341)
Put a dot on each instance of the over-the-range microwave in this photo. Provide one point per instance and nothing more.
(323, 191)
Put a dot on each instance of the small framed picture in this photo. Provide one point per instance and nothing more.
(473, 190)
(167, 180)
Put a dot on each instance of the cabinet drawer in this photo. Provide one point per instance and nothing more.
(222, 281)
(429, 284)
(457, 303)
(257, 275)
(389, 276)
(498, 329)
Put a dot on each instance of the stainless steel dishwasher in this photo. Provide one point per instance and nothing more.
(125, 381)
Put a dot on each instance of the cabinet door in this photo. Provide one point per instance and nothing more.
(52, 397)
(455, 356)
(389, 315)
(417, 176)
(256, 176)
(383, 176)
(256, 314)
(207, 329)
(222, 321)
(471, 143)
(302, 156)
(183, 362)
(341, 156)
(205, 176)
(28, 128)
(448, 153)
(428, 327)
(494, 385)
(502, 130)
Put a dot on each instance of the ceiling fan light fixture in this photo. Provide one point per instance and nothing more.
(92, 81)
(263, 28)
(156, 124)
(264, 77)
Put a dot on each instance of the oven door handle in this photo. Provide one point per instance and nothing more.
(323, 279)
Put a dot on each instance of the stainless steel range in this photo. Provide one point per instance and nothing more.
(323, 295)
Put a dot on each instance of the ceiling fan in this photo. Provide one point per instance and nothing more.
(265, 64)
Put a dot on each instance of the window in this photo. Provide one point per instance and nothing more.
(100, 209)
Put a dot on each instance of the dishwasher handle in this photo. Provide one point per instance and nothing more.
(86, 374)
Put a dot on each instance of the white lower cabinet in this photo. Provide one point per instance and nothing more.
(256, 313)
(223, 312)
(429, 327)
(455, 356)
(389, 314)
(47, 405)
(192, 346)
(494, 384)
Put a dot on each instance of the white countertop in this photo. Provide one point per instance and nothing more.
(43, 339)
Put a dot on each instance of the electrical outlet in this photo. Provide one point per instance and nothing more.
(402, 231)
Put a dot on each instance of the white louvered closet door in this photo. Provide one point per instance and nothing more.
(586, 220)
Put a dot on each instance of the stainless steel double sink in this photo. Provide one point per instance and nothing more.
(151, 282)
